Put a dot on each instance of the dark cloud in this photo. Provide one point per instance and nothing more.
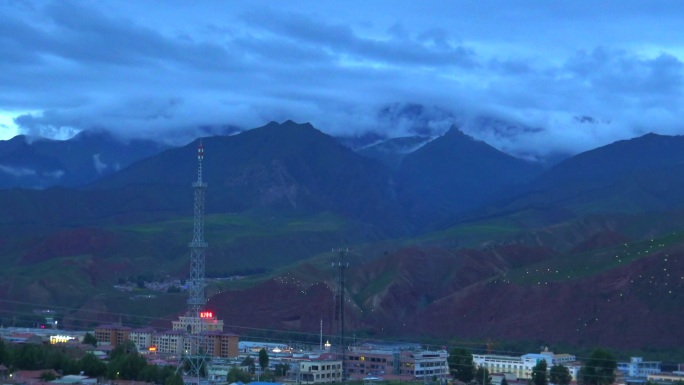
(400, 48)
(516, 76)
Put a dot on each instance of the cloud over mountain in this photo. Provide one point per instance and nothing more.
(175, 71)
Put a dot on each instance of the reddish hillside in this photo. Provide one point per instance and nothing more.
(600, 240)
(618, 308)
(282, 303)
(70, 242)
(457, 295)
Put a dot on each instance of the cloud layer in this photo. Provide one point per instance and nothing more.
(531, 78)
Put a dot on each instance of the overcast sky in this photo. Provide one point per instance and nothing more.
(529, 77)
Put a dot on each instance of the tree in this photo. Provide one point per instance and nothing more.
(482, 376)
(89, 339)
(237, 375)
(125, 363)
(174, 379)
(263, 359)
(539, 375)
(282, 369)
(4, 353)
(249, 362)
(461, 366)
(559, 375)
(149, 373)
(599, 369)
(92, 366)
(503, 381)
(48, 376)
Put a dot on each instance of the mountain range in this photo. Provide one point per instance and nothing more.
(450, 237)
(38, 163)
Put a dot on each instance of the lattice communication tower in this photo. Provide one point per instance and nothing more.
(198, 246)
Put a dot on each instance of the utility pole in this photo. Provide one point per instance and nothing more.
(320, 345)
(341, 266)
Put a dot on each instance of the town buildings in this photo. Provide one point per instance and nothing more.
(214, 343)
(521, 366)
(53, 336)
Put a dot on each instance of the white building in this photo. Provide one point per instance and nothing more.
(521, 366)
(637, 367)
(319, 371)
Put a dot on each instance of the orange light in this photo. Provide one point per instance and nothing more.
(152, 348)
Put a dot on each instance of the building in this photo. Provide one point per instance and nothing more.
(169, 341)
(637, 367)
(112, 334)
(206, 322)
(54, 336)
(320, 371)
(660, 378)
(271, 347)
(521, 366)
(178, 342)
(220, 344)
(142, 338)
(313, 368)
(395, 363)
(75, 379)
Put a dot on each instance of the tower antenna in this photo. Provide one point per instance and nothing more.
(196, 358)
(198, 246)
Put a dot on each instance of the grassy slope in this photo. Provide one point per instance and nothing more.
(586, 264)
(82, 275)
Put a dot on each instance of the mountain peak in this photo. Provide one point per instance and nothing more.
(288, 124)
(455, 132)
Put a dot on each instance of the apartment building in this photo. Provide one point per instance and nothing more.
(112, 334)
(400, 363)
(319, 371)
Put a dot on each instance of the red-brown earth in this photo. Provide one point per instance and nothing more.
(465, 295)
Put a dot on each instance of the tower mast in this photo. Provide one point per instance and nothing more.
(341, 266)
(198, 246)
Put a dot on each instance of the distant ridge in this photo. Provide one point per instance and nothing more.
(640, 174)
(39, 163)
(286, 166)
(456, 173)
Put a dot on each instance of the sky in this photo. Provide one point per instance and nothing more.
(532, 78)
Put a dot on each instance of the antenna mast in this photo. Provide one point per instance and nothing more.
(198, 246)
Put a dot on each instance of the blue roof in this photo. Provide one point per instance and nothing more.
(263, 383)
